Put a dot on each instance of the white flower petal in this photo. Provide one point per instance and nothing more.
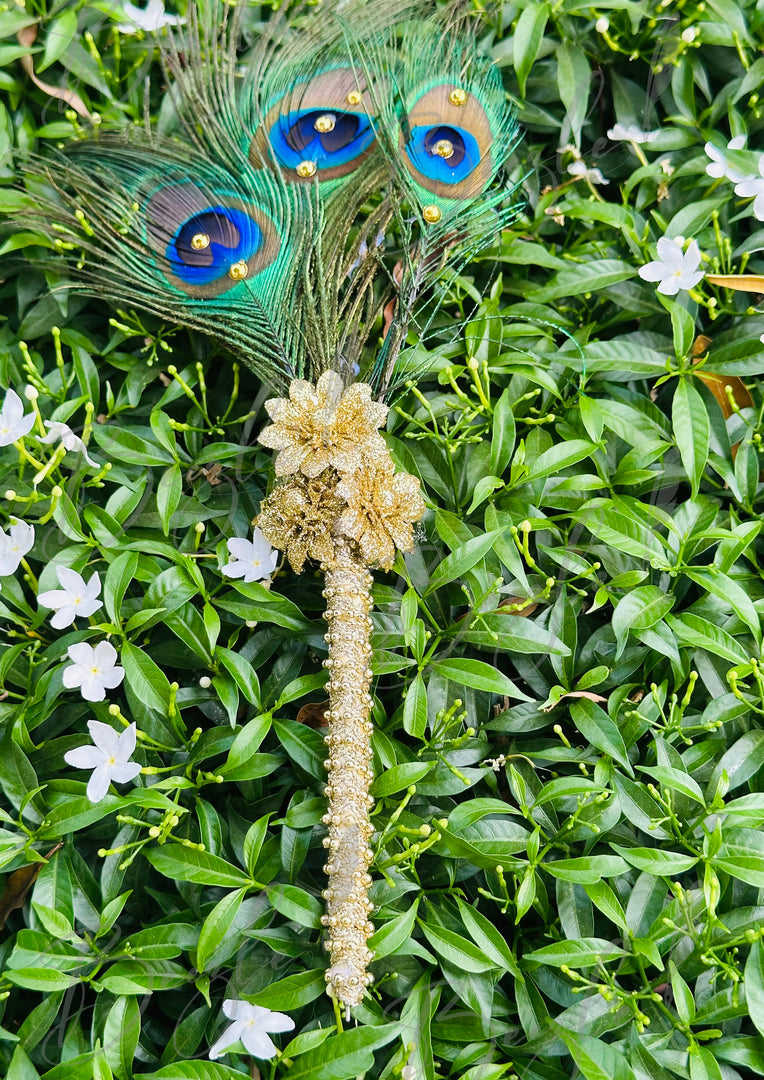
(238, 1010)
(105, 737)
(84, 757)
(127, 740)
(65, 616)
(72, 677)
(231, 1035)
(278, 1022)
(258, 1043)
(98, 784)
(104, 655)
(71, 581)
(240, 548)
(122, 773)
(91, 687)
(234, 569)
(81, 654)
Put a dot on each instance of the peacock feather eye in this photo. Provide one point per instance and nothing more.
(323, 128)
(446, 142)
(206, 243)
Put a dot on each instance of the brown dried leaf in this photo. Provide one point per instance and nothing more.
(312, 714)
(27, 37)
(18, 884)
(717, 385)
(740, 282)
(575, 693)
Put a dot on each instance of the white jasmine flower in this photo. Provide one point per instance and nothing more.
(250, 1024)
(737, 143)
(602, 25)
(689, 34)
(151, 18)
(75, 599)
(408, 1072)
(13, 424)
(752, 187)
(673, 269)
(580, 171)
(109, 757)
(631, 133)
(93, 670)
(58, 432)
(252, 560)
(720, 166)
(14, 545)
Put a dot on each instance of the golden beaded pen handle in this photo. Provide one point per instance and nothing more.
(342, 504)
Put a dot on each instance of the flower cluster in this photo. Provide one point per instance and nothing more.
(747, 185)
(341, 478)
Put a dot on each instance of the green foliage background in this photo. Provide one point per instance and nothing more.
(569, 701)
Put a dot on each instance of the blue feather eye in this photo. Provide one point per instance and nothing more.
(446, 141)
(322, 128)
(445, 154)
(208, 241)
(324, 137)
(210, 244)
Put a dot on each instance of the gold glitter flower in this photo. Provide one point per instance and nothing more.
(323, 425)
(299, 517)
(382, 506)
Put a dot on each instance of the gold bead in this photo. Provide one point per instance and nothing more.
(458, 96)
(239, 270)
(355, 97)
(325, 123)
(200, 241)
(444, 148)
(431, 214)
(306, 169)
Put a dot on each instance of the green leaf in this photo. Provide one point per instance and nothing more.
(189, 864)
(656, 860)
(400, 777)
(487, 937)
(502, 434)
(194, 1070)
(527, 37)
(217, 925)
(462, 559)
(121, 1032)
(597, 728)
(455, 949)
(699, 633)
(292, 992)
(754, 984)
(169, 490)
(296, 904)
(415, 708)
(587, 870)
(344, 1056)
(119, 575)
(691, 430)
(480, 676)
(683, 999)
(638, 610)
(394, 933)
(578, 953)
(149, 684)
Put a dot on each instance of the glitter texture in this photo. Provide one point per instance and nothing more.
(348, 596)
(299, 517)
(382, 506)
(321, 426)
(345, 506)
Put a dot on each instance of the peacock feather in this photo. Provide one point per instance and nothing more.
(321, 197)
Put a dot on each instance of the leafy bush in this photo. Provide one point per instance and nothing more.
(569, 745)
